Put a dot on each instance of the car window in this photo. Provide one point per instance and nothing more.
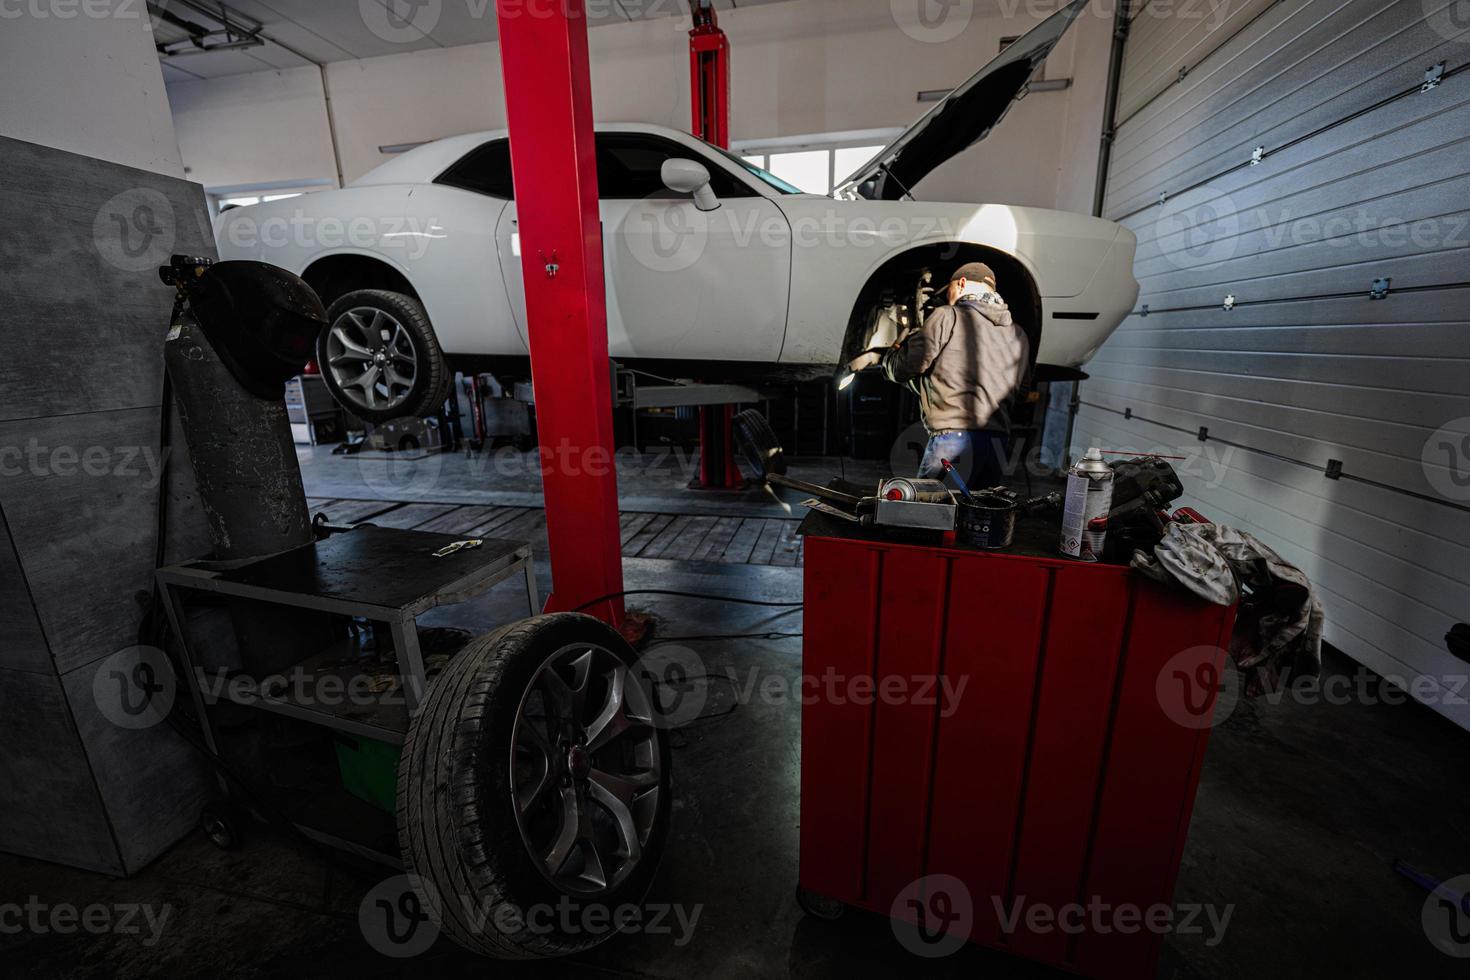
(484, 170)
(630, 165)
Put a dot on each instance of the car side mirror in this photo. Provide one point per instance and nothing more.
(690, 177)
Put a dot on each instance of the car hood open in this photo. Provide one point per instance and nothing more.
(964, 117)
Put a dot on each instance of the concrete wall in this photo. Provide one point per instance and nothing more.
(87, 84)
(800, 68)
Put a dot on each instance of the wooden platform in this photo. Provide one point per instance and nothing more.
(681, 537)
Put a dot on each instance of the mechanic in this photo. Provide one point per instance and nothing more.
(965, 364)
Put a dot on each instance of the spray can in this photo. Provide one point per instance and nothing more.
(1089, 497)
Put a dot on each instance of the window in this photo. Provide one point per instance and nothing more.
(630, 166)
(812, 170)
(484, 170)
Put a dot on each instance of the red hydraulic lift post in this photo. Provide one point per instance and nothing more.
(709, 68)
(548, 104)
(709, 78)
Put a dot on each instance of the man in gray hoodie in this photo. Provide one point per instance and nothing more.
(965, 364)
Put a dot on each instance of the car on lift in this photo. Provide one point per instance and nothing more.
(715, 269)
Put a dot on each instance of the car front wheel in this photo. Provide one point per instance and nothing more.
(379, 356)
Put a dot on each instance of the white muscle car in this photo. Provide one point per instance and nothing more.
(715, 268)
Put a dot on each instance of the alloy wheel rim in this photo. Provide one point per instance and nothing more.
(372, 358)
(586, 770)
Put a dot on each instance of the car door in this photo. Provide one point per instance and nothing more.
(458, 274)
(681, 283)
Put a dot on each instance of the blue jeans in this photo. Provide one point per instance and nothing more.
(979, 455)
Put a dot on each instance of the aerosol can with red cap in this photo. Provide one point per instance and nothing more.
(1085, 514)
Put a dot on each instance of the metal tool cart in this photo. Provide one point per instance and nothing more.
(384, 575)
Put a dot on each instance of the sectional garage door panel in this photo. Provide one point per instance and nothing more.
(1176, 36)
(1383, 56)
(1260, 51)
(1387, 187)
(1323, 409)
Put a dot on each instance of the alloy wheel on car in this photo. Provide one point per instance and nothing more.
(372, 358)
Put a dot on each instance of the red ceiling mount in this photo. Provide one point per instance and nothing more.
(709, 69)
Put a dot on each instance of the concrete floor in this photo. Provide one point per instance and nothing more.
(1301, 811)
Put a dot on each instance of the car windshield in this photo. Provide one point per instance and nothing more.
(755, 171)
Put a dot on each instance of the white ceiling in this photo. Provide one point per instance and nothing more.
(324, 31)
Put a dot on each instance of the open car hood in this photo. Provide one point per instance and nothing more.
(965, 116)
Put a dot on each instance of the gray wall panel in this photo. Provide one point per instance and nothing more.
(80, 388)
(22, 644)
(51, 810)
(155, 784)
(83, 279)
(86, 541)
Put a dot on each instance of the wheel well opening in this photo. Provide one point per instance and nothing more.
(337, 275)
(890, 297)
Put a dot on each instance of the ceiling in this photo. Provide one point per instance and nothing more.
(304, 32)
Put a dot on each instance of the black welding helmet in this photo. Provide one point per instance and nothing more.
(261, 320)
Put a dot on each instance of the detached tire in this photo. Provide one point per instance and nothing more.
(379, 357)
(758, 443)
(535, 779)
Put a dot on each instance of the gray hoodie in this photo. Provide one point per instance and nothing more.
(964, 364)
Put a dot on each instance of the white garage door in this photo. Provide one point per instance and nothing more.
(1278, 161)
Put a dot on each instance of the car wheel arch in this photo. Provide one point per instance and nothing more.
(1015, 280)
(335, 275)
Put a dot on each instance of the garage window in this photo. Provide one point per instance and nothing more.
(810, 165)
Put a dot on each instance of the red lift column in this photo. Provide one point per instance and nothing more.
(709, 79)
(548, 104)
(709, 71)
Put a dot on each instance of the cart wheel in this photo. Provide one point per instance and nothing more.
(819, 906)
(535, 776)
(221, 825)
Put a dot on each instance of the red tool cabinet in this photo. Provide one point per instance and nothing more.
(1059, 776)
